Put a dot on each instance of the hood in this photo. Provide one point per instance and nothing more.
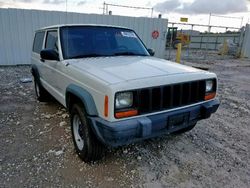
(126, 68)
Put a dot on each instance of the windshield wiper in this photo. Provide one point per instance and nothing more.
(129, 53)
(86, 55)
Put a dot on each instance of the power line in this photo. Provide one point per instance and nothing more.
(126, 6)
(228, 17)
(202, 25)
(105, 7)
(216, 15)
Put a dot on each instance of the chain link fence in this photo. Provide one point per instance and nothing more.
(201, 42)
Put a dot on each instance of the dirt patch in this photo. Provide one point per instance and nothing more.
(36, 149)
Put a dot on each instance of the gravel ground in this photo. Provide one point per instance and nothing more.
(36, 149)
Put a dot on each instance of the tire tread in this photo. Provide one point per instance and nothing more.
(93, 148)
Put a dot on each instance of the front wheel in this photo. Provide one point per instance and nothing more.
(86, 145)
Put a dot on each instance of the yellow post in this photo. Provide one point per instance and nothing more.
(225, 48)
(178, 53)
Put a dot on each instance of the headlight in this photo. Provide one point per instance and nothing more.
(123, 100)
(210, 89)
(209, 86)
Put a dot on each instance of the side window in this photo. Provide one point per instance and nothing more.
(52, 40)
(38, 42)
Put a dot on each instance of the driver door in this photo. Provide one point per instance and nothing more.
(50, 72)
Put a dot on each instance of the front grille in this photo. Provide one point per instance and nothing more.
(169, 96)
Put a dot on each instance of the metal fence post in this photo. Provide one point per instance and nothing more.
(208, 35)
(190, 37)
(171, 41)
(216, 42)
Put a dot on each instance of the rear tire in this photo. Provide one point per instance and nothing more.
(41, 94)
(86, 144)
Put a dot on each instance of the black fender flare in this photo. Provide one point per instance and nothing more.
(84, 96)
(35, 73)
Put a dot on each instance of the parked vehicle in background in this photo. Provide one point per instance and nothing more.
(174, 37)
(115, 91)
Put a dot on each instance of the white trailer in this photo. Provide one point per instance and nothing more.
(18, 26)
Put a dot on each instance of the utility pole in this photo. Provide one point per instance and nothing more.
(104, 4)
(106, 8)
(209, 20)
(241, 22)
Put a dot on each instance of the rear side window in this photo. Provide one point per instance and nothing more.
(38, 42)
(51, 40)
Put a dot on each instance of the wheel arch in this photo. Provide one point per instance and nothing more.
(34, 71)
(75, 94)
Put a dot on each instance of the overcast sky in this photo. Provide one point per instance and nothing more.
(196, 10)
(202, 6)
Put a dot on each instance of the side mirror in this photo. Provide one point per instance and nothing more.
(49, 54)
(151, 52)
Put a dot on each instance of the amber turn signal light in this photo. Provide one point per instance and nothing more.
(210, 96)
(126, 114)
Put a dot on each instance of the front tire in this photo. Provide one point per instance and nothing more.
(86, 144)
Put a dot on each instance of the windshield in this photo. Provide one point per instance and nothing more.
(94, 41)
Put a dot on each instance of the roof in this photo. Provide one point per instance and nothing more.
(73, 25)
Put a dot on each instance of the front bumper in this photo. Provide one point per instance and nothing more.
(132, 130)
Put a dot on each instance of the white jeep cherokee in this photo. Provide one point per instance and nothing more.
(114, 90)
